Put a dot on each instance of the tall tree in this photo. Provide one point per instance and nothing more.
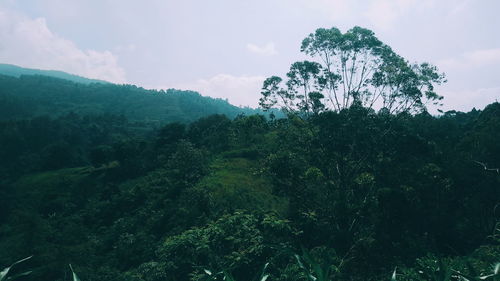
(352, 68)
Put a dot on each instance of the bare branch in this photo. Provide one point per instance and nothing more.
(486, 167)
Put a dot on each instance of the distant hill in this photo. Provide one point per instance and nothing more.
(17, 71)
(28, 96)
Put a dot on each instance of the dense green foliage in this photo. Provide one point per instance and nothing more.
(346, 195)
(29, 96)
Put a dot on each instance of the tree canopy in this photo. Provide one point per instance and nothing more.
(354, 193)
(349, 68)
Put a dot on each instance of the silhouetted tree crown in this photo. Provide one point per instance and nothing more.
(349, 68)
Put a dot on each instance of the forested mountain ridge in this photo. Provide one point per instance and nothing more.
(34, 95)
(17, 71)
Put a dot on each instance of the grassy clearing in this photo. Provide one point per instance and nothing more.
(55, 177)
(235, 183)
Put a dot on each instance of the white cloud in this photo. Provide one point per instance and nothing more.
(459, 8)
(465, 100)
(334, 9)
(483, 57)
(478, 58)
(30, 43)
(267, 50)
(384, 13)
(239, 90)
(125, 48)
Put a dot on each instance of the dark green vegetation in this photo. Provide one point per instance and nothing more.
(34, 95)
(362, 192)
(339, 194)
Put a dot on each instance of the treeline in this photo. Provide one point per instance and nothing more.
(354, 194)
(33, 95)
(17, 71)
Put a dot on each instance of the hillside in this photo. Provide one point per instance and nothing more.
(353, 195)
(33, 95)
(17, 71)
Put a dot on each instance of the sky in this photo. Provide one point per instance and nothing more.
(226, 48)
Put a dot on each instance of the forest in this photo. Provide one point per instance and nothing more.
(340, 183)
(29, 96)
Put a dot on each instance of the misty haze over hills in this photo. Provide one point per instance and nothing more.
(26, 93)
(17, 71)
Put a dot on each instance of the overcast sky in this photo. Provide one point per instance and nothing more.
(225, 48)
